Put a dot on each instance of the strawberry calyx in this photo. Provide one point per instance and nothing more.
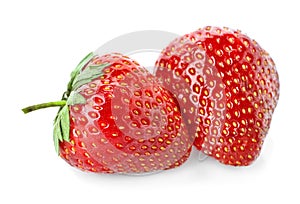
(76, 71)
(79, 76)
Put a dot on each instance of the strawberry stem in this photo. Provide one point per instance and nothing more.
(44, 105)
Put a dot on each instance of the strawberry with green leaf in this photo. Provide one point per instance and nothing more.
(115, 118)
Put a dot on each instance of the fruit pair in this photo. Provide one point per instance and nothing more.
(214, 88)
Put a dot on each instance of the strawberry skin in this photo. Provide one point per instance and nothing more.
(227, 87)
(124, 121)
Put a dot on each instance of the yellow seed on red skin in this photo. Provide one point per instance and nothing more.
(87, 155)
(81, 144)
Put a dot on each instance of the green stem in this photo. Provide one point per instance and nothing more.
(44, 105)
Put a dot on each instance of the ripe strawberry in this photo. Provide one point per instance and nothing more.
(115, 118)
(228, 88)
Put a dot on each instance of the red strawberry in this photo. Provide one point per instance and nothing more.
(228, 88)
(115, 118)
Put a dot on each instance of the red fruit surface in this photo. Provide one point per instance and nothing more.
(227, 87)
(128, 123)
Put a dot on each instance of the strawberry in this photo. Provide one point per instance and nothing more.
(115, 118)
(227, 87)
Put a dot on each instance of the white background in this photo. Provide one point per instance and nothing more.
(40, 44)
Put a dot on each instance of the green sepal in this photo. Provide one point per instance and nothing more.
(77, 70)
(75, 98)
(61, 127)
(65, 123)
(87, 75)
(81, 64)
(57, 134)
(56, 144)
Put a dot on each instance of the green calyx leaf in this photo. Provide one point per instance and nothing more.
(61, 130)
(61, 127)
(87, 75)
(81, 64)
(75, 98)
(77, 70)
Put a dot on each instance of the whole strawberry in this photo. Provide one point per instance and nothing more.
(228, 88)
(115, 118)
